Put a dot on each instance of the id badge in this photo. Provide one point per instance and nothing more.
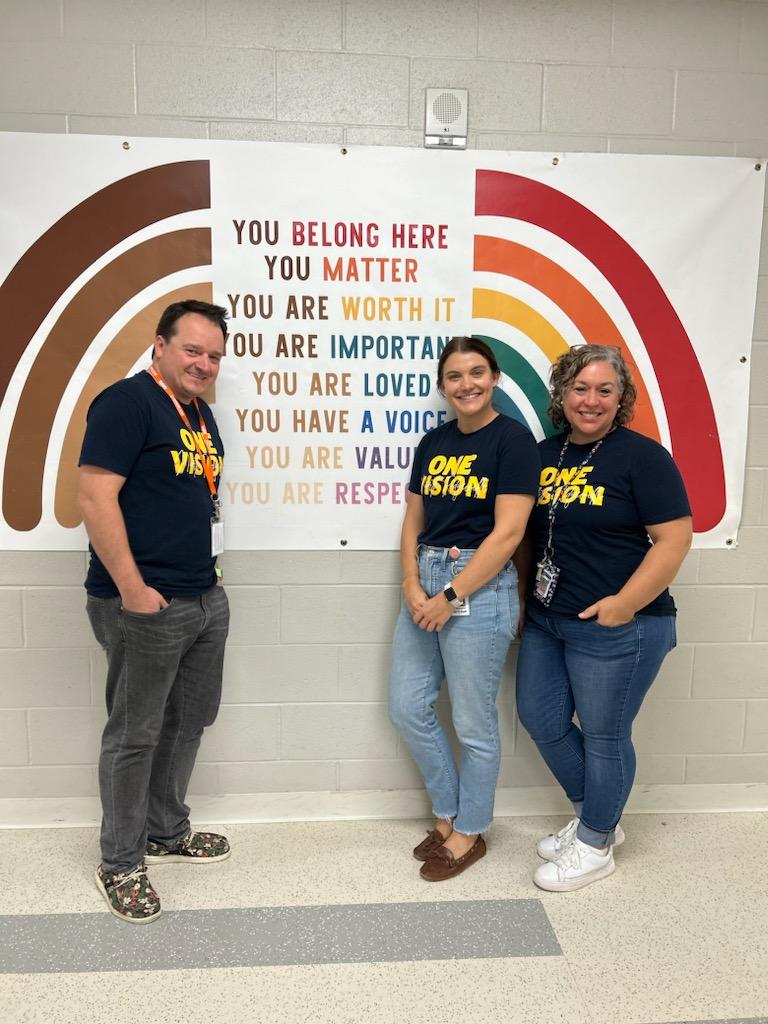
(464, 610)
(546, 581)
(217, 537)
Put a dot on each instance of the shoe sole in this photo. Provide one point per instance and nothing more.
(116, 913)
(179, 858)
(551, 860)
(571, 885)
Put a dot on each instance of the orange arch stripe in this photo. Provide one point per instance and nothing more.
(500, 256)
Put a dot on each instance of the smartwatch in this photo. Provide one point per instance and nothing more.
(451, 596)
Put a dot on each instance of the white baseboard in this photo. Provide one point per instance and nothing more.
(78, 812)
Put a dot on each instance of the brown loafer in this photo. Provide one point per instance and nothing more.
(442, 864)
(427, 846)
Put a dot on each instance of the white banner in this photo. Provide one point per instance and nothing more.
(344, 273)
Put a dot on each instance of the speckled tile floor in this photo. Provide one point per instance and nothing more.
(677, 934)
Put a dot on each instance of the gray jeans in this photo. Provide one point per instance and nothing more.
(164, 674)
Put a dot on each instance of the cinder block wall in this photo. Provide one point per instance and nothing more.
(304, 706)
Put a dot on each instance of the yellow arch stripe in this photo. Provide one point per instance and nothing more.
(493, 305)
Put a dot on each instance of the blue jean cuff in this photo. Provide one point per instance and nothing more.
(592, 837)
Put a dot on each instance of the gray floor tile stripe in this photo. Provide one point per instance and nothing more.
(724, 1020)
(263, 936)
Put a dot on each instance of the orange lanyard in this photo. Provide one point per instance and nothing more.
(206, 460)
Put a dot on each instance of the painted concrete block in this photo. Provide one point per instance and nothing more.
(64, 780)
(139, 127)
(546, 30)
(720, 105)
(53, 678)
(273, 674)
(599, 99)
(278, 777)
(278, 568)
(747, 563)
(55, 617)
(336, 731)
(340, 87)
(290, 25)
(274, 131)
(713, 614)
(205, 81)
(65, 735)
(756, 733)
(350, 614)
(690, 726)
(82, 78)
(140, 21)
(13, 739)
(411, 26)
(713, 769)
(254, 615)
(687, 33)
(242, 733)
(732, 671)
(11, 632)
(364, 672)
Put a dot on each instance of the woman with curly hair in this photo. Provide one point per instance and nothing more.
(610, 529)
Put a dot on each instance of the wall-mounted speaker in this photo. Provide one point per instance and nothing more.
(445, 121)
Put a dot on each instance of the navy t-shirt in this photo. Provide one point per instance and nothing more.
(459, 475)
(599, 536)
(135, 430)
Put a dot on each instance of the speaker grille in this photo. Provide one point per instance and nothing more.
(446, 108)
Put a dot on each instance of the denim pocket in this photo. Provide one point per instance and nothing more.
(146, 615)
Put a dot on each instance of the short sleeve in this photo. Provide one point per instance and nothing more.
(659, 490)
(115, 433)
(519, 462)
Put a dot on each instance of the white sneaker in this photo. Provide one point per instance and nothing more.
(578, 865)
(551, 846)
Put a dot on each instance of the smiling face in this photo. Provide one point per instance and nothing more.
(467, 383)
(189, 361)
(591, 402)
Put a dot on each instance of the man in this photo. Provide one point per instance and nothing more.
(149, 471)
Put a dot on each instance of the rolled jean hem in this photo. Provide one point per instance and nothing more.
(592, 837)
(471, 831)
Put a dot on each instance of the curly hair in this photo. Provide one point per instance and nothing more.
(569, 366)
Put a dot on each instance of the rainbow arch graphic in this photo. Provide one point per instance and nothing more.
(43, 273)
(694, 436)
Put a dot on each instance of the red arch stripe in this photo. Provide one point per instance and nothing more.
(692, 425)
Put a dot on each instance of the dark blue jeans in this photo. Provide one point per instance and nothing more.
(601, 674)
(164, 674)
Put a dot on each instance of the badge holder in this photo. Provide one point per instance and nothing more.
(217, 528)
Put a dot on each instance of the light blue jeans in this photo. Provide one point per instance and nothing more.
(571, 666)
(469, 653)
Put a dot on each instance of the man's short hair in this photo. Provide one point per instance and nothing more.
(166, 328)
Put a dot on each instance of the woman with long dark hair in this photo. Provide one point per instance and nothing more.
(471, 491)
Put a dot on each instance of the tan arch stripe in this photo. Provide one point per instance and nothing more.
(98, 300)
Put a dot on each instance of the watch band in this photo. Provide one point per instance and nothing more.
(452, 597)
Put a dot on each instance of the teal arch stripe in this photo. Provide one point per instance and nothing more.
(518, 369)
(503, 403)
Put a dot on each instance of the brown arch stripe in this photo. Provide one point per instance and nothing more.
(98, 300)
(81, 236)
(115, 362)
